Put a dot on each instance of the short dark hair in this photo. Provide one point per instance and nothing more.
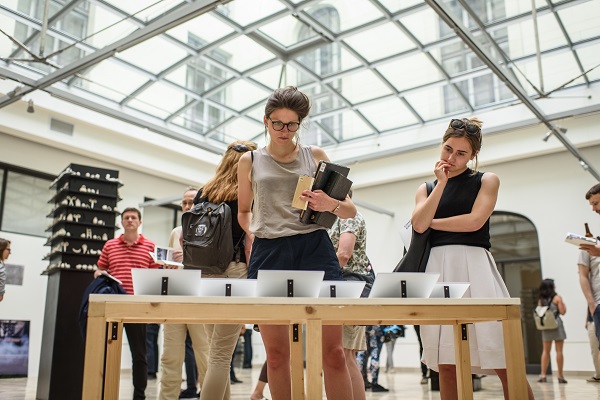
(132, 209)
(3, 245)
(594, 190)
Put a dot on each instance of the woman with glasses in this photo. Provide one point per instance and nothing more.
(458, 212)
(223, 338)
(267, 182)
(4, 253)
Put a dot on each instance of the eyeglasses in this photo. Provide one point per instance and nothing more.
(469, 127)
(278, 125)
(240, 148)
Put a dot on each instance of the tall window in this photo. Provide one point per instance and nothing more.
(200, 77)
(24, 199)
(457, 58)
(73, 23)
(324, 61)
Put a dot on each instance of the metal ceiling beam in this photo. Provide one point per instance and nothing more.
(455, 24)
(160, 25)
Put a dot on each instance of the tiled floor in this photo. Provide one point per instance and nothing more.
(402, 385)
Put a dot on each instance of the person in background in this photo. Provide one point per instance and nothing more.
(223, 338)
(267, 183)
(177, 336)
(152, 331)
(247, 363)
(369, 360)
(349, 238)
(424, 368)
(119, 256)
(589, 273)
(548, 297)
(4, 254)
(591, 330)
(458, 212)
(258, 392)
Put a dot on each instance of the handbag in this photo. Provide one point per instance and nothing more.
(368, 278)
(415, 259)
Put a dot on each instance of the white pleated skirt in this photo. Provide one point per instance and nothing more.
(457, 263)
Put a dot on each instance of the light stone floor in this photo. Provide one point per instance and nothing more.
(403, 386)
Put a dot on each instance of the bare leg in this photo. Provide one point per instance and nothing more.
(358, 386)
(277, 345)
(337, 379)
(545, 357)
(502, 375)
(257, 394)
(560, 360)
(448, 388)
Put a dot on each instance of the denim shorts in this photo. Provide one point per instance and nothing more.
(305, 252)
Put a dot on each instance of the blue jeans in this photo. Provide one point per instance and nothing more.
(191, 371)
(596, 318)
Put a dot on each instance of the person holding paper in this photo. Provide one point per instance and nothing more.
(267, 182)
(223, 338)
(589, 269)
(119, 256)
(458, 211)
(180, 339)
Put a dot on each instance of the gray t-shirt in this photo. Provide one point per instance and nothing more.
(274, 184)
(593, 263)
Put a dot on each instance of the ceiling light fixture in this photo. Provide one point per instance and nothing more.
(30, 108)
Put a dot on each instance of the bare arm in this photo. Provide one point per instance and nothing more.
(592, 250)
(560, 304)
(320, 201)
(345, 248)
(245, 197)
(586, 287)
(482, 209)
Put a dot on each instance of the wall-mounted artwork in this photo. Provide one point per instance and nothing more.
(14, 274)
(14, 348)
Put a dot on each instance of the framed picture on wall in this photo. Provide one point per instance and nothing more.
(14, 348)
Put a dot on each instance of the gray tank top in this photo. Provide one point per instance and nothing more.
(274, 184)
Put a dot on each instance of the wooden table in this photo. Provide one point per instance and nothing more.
(107, 313)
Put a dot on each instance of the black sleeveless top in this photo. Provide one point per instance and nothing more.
(458, 198)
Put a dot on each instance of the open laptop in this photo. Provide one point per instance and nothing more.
(456, 290)
(403, 284)
(278, 283)
(177, 282)
(343, 289)
(228, 287)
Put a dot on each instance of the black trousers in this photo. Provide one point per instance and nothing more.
(136, 336)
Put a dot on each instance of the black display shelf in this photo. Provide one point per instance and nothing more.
(61, 223)
(65, 208)
(65, 192)
(70, 272)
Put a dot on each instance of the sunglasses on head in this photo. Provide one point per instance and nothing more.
(469, 127)
(240, 148)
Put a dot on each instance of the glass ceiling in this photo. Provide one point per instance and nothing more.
(371, 67)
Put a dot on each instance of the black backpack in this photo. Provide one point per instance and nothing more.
(207, 237)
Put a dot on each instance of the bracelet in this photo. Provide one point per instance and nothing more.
(337, 208)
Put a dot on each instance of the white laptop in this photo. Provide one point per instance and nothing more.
(343, 289)
(228, 287)
(392, 284)
(456, 290)
(179, 282)
(277, 283)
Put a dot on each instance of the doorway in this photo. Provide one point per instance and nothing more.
(515, 247)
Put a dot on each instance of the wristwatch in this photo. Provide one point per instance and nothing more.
(337, 208)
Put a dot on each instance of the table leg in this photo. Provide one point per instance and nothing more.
(463, 362)
(114, 343)
(314, 359)
(93, 369)
(515, 356)
(297, 362)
